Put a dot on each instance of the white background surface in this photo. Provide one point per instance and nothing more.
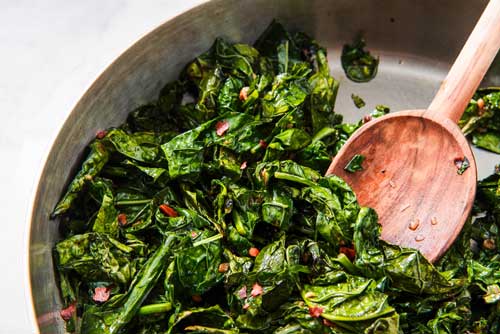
(50, 53)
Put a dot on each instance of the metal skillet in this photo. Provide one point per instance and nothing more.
(416, 41)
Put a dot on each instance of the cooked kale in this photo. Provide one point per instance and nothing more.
(358, 101)
(354, 164)
(481, 120)
(462, 164)
(358, 64)
(214, 216)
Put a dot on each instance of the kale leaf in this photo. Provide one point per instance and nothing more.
(358, 64)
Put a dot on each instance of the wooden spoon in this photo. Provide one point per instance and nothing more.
(410, 172)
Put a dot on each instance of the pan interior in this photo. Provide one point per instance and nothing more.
(416, 41)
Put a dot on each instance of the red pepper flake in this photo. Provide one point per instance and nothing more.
(256, 290)
(367, 118)
(101, 294)
(458, 161)
(243, 165)
(122, 219)
(221, 127)
(223, 267)
(489, 244)
(349, 252)
(246, 306)
(194, 234)
(168, 211)
(315, 311)
(262, 143)
(68, 312)
(328, 323)
(242, 293)
(253, 252)
(244, 93)
(196, 298)
(101, 134)
(480, 103)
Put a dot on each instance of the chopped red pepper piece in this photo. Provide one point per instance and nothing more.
(242, 293)
(221, 127)
(244, 93)
(122, 219)
(262, 143)
(315, 311)
(101, 294)
(328, 323)
(168, 211)
(256, 290)
(223, 267)
(253, 251)
(101, 134)
(243, 165)
(349, 252)
(480, 103)
(68, 312)
(367, 118)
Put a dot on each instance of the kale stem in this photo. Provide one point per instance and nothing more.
(132, 202)
(147, 277)
(138, 214)
(325, 132)
(346, 263)
(207, 240)
(155, 308)
(293, 178)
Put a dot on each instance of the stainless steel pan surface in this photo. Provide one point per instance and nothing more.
(416, 41)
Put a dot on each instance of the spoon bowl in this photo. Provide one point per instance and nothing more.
(410, 177)
(414, 173)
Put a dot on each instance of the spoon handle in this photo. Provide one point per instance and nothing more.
(471, 65)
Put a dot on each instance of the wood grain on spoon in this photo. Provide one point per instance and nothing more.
(410, 173)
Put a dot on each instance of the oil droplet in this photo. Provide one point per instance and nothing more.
(414, 224)
(419, 238)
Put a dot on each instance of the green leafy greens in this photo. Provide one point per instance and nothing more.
(212, 216)
(358, 64)
(481, 120)
(358, 101)
(354, 164)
